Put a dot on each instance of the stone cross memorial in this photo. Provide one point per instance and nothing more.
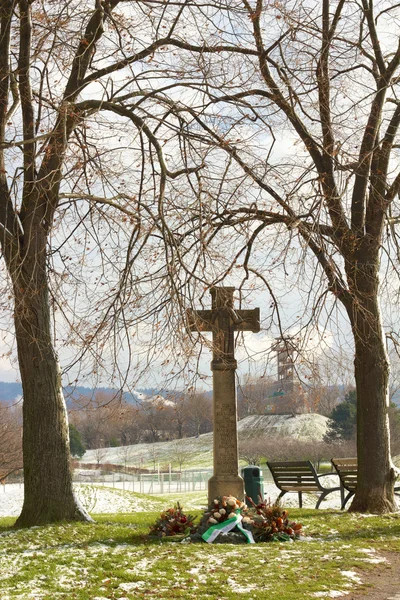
(223, 320)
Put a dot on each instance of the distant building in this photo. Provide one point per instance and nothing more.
(287, 395)
(285, 349)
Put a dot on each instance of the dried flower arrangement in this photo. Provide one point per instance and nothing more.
(223, 509)
(228, 520)
(270, 522)
(173, 524)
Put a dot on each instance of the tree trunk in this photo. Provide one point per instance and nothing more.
(48, 492)
(180, 429)
(376, 474)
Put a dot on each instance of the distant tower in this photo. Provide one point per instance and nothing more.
(285, 350)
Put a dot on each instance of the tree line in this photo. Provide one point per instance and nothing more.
(106, 420)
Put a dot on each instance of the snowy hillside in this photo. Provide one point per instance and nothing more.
(197, 452)
(301, 427)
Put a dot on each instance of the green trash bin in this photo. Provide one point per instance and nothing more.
(253, 483)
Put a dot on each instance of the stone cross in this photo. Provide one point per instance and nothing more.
(223, 320)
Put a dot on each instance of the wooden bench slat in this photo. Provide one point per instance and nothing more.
(352, 470)
(294, 473)
(297, 477)
(293, 463)
(291, 469)
(347, 469)
(299, 474)
(292, 483)
(300, 488)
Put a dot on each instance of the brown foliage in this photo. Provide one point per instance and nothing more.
(283, 448)
(108, 420)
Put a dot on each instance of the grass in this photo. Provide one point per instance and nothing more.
(113, 558)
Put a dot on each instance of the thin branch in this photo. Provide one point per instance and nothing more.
(25, 93)
(141, 125)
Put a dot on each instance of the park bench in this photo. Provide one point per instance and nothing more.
(299, 477)
(346, 468)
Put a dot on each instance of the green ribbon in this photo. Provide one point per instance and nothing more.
(233, 521)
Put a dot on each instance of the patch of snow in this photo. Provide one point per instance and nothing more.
(157, 400)
(374, 560)
(330, 594)
(239, 589)
(142, 565)
(352, 575)
(139, 395)
(133, 585)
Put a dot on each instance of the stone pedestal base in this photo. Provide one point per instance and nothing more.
(225, 485)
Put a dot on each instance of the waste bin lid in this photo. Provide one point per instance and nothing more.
(252, 470)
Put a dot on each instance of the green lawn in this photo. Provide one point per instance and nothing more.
(113, 558)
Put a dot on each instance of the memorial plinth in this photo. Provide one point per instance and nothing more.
(222, 320)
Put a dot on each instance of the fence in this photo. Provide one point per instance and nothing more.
(149, 483)
(143, 483)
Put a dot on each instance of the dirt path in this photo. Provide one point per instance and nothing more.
(384, 581)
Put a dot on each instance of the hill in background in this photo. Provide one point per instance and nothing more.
(13, 391)
(197, 452)
(10, 391)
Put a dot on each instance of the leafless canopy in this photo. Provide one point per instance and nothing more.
(150, 149)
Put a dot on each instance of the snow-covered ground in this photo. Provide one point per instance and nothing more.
(99, 499)
(304, 427)
(95, 498)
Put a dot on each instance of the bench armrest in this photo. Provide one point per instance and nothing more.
(327, 474)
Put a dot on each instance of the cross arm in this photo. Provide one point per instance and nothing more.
(200, 320)
(247, 320)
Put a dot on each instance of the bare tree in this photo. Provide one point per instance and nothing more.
(155, 421)
(253, 395)
(100, 455)
(284, 448)
(125, 455)
(198, 408)
(253, 450)
(71, 101)
(302, 97)
(180, 453)
(100, 418)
